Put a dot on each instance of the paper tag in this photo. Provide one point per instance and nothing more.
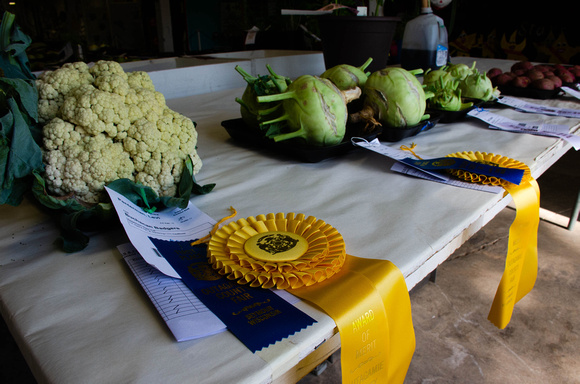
(571, 92)
(505, 124)
(251, 35)
(410, 169)
(538, 108)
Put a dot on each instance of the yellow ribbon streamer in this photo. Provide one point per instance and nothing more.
(368, 299)
(521, 266)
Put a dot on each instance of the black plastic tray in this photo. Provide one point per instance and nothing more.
(530, 92)
(397, 134)
(452, 116)
(295, 149)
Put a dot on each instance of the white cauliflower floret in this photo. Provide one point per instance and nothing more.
(105, 124)
(158, 154)
(140, 79)
(113, 83)
(97, 111)
(145, 103)
(54, 85)
(104, 67)
(142, 140)
(81, 164)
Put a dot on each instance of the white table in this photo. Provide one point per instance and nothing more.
(84, 318)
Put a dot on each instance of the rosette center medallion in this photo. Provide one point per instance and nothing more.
(276, 246)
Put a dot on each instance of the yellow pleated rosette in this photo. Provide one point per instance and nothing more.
(489, 159)
(277, 251)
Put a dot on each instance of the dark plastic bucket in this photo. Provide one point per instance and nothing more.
(353, 39)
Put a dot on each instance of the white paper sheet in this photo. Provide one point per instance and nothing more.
(496, 121)
(171, 224)
(185, 315)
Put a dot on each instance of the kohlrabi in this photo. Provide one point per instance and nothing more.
(314, 109)
(394, 97)
(478, 86)
(448, 99)
(436, 78)
(460, 71)
(447, 96)
(252, 111)
(346, 76)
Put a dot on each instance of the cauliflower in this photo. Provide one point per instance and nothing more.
(53, 85)
(102, 124)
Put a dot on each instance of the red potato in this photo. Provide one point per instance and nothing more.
(575, 71)
(566, 76)
(544, 84)
(559, 67)
(557, 81)
(510, 74)
(503, 79)
(519, 72)
(542, 68)
(494, 72)
(521, 82)
(535, 74)
(524, 65)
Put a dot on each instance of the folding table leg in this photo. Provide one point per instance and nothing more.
(575, 211)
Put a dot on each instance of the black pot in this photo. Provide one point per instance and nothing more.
(353, 39)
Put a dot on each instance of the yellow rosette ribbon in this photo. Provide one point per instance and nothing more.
(521, 266)
(368, 299)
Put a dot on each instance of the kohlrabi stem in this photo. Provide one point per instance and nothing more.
(276, 120)
(289, 135)
(242, 103)
(281, 82)
(416, 72)
(267, 111)
(249, 78)
(276, 97)
(366, 64)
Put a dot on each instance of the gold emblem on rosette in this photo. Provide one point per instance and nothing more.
(277, 250)
(489, 159)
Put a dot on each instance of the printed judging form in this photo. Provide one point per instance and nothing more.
(172, 224)
(185, 315)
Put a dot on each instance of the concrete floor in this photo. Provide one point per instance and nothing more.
(455, 341)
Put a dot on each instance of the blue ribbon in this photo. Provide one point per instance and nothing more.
(257, 317)
(509, 174)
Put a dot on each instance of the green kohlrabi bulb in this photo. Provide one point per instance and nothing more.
(346, 76)
(396, 97)
(314, 110)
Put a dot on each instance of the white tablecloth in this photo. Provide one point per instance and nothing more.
(84, 318)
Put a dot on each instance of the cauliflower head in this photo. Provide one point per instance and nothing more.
(102, 124)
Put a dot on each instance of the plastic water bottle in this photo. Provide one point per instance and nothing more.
(425, 42)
